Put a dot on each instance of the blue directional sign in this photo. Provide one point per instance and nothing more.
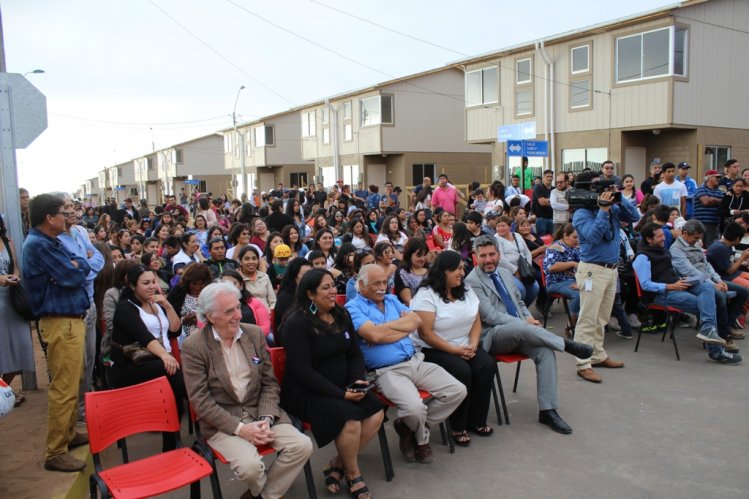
(531, 148)
(538, 148)
(515, 148)
(518, 131)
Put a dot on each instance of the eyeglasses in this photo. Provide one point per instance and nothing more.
(66, 213)
(362, 251)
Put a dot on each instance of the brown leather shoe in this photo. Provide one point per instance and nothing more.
(607, 362)
(64, 462)
(589, 375)
(407, 440)
(424, 453)
(78, 440)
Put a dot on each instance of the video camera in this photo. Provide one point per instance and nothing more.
(588, 198)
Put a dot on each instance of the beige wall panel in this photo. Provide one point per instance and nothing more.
(202, 157)
(715, 94)
(482, 123)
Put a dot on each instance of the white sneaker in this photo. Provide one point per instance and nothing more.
(633, 321)
(614, 324)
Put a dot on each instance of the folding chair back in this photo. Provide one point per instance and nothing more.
(340, 299)
(278, 360)
(115, 414)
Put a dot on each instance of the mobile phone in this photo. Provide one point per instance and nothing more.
(359, 387)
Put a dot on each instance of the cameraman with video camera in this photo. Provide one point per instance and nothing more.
(599, 211)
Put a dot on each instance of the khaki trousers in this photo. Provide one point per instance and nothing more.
(65, 338)
(294, 449)
(595, 308)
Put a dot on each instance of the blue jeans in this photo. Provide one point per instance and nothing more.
(544, 226)
(699, 299)
(528, 292)
(565, 288)
(728, 310)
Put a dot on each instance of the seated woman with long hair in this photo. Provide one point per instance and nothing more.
(392, 232)
(144, 316)
(384, 255)
(450, 336)
(184, 297)
(323, 362)
(413, 269)
(325, 242)
(285, 300)
(358, 234)
(294, 240)
(560, 265)
(256, 282)
(512, 248)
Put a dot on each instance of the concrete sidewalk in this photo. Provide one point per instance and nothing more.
(658, 428)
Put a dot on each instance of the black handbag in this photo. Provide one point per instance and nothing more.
(18, 299)
(525, 271)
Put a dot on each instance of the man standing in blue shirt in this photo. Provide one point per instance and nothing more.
(76, 241)
(597, 274)
(383, 325)
(690, 184)
(55, 283)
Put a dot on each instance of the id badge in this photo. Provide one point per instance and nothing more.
(588, 285)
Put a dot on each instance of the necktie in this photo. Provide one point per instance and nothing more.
(504, 295)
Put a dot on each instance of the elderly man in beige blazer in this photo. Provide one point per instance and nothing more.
(232, 388)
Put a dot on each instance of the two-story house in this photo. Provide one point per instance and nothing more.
(271, 152)
(194, 164)
(665, 84)
(399, 131)
(147, 177)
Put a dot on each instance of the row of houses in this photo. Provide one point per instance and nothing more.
(665, 84)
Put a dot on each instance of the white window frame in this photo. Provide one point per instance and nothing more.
(228, 146)
(589, 92)
(324, 115)
(572, 59)
(671, 46)
(348, 108)
(530, 71)
(379, 100)
(529, 89)
(481, 72)
(308, 124)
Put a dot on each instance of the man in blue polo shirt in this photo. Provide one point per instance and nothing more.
(383, 325)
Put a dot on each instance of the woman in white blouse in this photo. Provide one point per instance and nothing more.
(393, 233)
(450, 337)
(512, 247)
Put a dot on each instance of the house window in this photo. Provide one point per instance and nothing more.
(177, 156)
(580, 94)
(716, 157)
(328, 176)
(348, 128)
(149, 164)
(523, 71)
(298, 179)
(308, 124)
(523, 102)
(482, 86)
(326, 134)
(580, 59)
(248, 143)
(420, 171)
(377, 110)
(325, 115)
(227, 143)
(347, 110)
(662, 52)
(264, 136)
(576, 160)
(237, 144)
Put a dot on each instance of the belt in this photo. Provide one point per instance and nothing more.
(64, 316)
(601, 264)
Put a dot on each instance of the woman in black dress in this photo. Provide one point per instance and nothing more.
(323, 361)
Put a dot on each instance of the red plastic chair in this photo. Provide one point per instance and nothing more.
(340, 299)
(671, 314)
(174, 343)
(550, 297)
(113, 415)
(508, 359)
(547, 239)
(273, 324)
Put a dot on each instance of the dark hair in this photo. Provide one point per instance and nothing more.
(379, 249)
(413, 246)
(318, 236)
(105, 277)
(288, 282)
(461, 237)
(668, 166)
(733, 232)
(310, 282)
(137, 237)
(648, 231)
(237, 277)
(215, 240)
(268, 252)
(195, 272)
(3, 230)
(730, 162)
(236, 231)
(172, 242)
(133, 274)
(243, 252)
(121, 272)
(43, 205)
(662, 213)
(286, 235)
(437, 276)
(564, 230)
(341, 259)
(203, 203)
(475, 217)
(315, 254)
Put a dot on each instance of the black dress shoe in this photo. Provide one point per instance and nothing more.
(551, 419)
(579, 350)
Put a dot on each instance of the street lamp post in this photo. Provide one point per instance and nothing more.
(34, 72)
(239, 139)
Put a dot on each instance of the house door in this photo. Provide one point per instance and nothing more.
(635, 163)
(376, 176)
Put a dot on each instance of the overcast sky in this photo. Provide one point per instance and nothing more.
(123, 74)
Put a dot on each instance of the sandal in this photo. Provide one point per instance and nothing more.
(331, 482)
(461, 438)
(482, 431)
(360, 493)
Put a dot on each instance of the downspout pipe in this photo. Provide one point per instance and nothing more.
(334, 134)
(548, 100)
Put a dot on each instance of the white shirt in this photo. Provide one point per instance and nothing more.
(670, 194)
(157, 325)
(402, 239)
(452, 320)
(230, 251)
(560, 206)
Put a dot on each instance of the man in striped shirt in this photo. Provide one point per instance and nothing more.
(707, 207)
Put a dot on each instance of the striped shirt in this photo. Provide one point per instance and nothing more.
(703, 213)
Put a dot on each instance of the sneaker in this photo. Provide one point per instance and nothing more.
(711, 336)
(684, 321)
(731, 347)
(65, 463)
(633, 320)
(627, 335)
(737, 335)
(614, 324)
(724, 357)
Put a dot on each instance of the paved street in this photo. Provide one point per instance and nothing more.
(657, 428)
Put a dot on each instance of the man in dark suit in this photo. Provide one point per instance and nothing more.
(231, 386)
(508, 327)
